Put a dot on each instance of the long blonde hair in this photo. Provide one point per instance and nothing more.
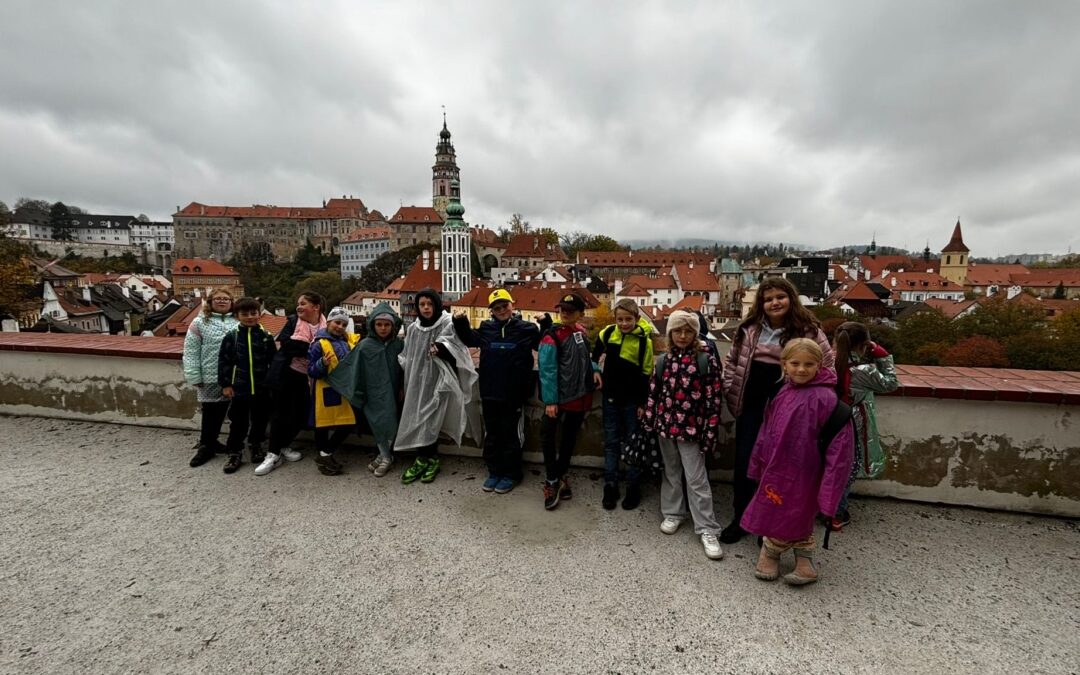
(207, 306)
(802, 345)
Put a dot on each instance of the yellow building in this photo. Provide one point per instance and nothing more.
(954, 258)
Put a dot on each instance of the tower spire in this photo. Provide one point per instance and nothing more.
(445, 172)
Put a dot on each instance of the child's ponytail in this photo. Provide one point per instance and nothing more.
(842, 347)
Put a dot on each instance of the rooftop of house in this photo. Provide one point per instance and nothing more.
(534, 246)
(641, 258)
(416, 215)
(369, 234)
(335, 208)
(201, 267)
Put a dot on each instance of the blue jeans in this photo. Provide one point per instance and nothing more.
(620, 421)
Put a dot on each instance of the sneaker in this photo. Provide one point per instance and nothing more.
(490, 483)
(671, 524)
(632, 498)
(414, 471)
(383, 467)
(564, 488)
(504, 485)
(732, 533)
(292, 455)
(271, 462)
(328, 466)
(611, 497)
(841, 520)
(373, 464)
(431, 470)
(712, 546)
(257, 455)
(202, 456)
(551, 494)
(232, 464)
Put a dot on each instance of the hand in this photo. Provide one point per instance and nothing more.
(640, 412)
(551, 411)
(228, 392)
(598, 381)
(461, 314)
(433, 351)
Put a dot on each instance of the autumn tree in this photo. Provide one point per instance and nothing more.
(923, 336)
(602, 318)
(977, 351)
(16, 280)
(998, 318)
(330, 285)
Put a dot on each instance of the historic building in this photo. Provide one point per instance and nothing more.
(954, 258)
(456, 248)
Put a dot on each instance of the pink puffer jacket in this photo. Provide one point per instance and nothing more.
(737, 364)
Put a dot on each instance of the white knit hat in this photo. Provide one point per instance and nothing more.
(338, 314)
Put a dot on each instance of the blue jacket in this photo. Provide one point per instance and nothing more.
(506, 359)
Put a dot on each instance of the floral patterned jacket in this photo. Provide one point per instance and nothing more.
(684, 404)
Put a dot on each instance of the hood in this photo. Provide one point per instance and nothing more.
(435, 298)
(826, 377)
(383, 308)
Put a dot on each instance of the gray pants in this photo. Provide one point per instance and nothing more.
(682, 457)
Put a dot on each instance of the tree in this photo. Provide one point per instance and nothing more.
(998, 318)
(311, 258)
(60, 219)
(26, 202)
(1059, 292)
(572, 242)
(976, 352)
(5, 215)
(918, 331)
(601, 319)
(380, 272)
(330, 285)
(16, 280)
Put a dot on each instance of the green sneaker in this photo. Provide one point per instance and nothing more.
(431, 471)
(415, 470)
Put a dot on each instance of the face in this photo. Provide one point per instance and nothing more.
(502, 310)
(306, 310)
(625, 320)
(776, 304)
(683, 337)
(248, 318)
(221, 303)
(337, 328)
(383, 328)
(426, 308)
(568, 316)
(801, 367)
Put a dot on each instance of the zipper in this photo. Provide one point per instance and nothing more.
(251, 364)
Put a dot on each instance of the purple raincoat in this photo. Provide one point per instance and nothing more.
(786, 462)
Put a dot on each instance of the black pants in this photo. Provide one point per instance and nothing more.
(213, 415)
(557, 462)
(329, 439)
(747, 427)
(248, 416)
(291, 404)
(428, 451)
(502, 444)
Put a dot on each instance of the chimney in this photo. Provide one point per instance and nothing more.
(691, 265)
(86, 294)
(202, 210)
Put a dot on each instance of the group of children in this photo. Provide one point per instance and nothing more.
(778, 380)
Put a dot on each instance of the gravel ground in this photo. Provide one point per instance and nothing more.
(118, 557)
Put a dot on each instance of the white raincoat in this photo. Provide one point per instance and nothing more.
(438, 397)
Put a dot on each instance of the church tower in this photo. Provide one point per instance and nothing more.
(456, 249)
(954, 258)
(445, 174)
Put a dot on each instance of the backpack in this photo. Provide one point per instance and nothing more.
(702, 365)
(838, 419)
(605, 335)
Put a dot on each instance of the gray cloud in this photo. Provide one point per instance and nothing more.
(821, 124)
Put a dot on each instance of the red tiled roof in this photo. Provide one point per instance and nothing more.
(77, 307)
(204, 267)
(696, 278)
(417, 215)
(530, 297)
(370, 233)
(854, 291)
(691, 303)
(660, 282)
(376, 216)
(272, 322)
(906, 281)
(990, 275)
(1049, 278)
(533, 246)
(839, 273)
(345, 203)
(632, 290)
(418, 278)
(358, 297)
(197, 210)
(950, 308)
(876, 264)
(956, 243)
(642, 258)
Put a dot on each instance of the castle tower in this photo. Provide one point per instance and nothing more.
(445, 175)
(456, 249)
(954, 258)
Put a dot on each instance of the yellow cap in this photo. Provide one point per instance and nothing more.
(499, 295)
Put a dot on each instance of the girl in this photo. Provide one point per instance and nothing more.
(329, 409)
(752, 374)
(627, 351)
(288, 378)
(683, 409)
(795, 481)
(202, 344)
(863, 369)
(441, 393)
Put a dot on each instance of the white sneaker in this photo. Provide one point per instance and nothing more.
(712, 546)
(271, 462)
(292, 455)
(671, 524)
(383, 467)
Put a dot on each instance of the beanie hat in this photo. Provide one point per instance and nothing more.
(338, 314)
(682, 319)
(628, 305)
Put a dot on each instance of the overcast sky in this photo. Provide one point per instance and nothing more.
(810, 122)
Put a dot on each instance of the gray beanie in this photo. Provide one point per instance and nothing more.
(338, 314)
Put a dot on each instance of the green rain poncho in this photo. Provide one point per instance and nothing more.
(372, 378)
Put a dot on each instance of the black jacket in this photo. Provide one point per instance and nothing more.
(244, 360)
(506, 357)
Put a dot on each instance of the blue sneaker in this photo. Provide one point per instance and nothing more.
(490, 483)
(504, 485)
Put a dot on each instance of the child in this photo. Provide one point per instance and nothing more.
(567, 379)
(863, 369)
(243, 362)
(329, 409)
(752, 374)
(506, 381)
(627, 350)
(202, 344)
(440, 388)
(795, 482)
(684, 411)
(381, 382)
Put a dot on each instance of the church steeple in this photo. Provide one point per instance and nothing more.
(445, 174)
(954, 257)
(456, 249)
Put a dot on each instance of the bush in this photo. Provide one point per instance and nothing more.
(976, 352)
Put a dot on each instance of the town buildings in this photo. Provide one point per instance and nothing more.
(197, 277)
(362, 247)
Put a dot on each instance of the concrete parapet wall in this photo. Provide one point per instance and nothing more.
(1002, 453)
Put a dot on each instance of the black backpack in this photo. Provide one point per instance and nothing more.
(838, 419)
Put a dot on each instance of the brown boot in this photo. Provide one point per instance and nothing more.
(804, 572)
(768, 565)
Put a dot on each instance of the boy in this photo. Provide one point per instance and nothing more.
(243, 362)
(380, 386)
(627, 350)
(329, 409)
(567, 379)
(506, 381)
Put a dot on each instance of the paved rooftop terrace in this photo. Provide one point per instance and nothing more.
(117, 557)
